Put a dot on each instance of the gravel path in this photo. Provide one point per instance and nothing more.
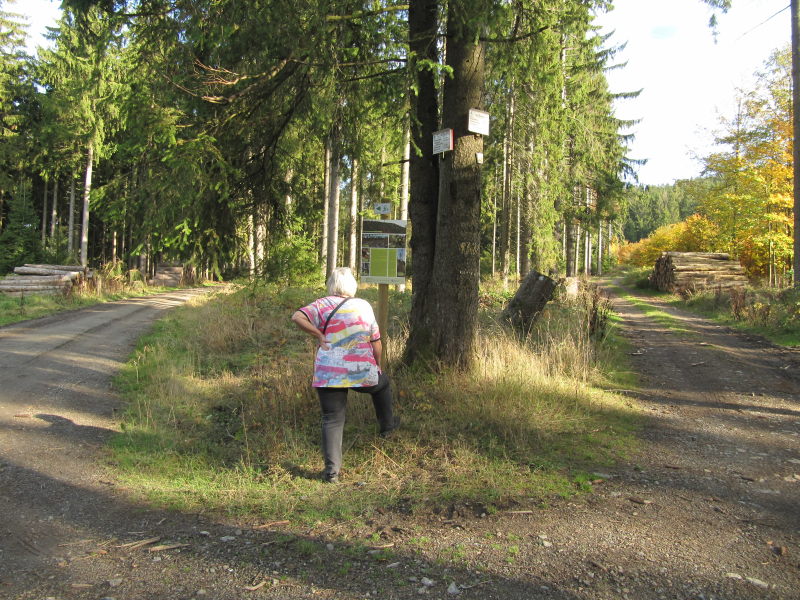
(708, 509)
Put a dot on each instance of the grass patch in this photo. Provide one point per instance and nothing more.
(664, 319)
(770, 313)
(24, 308)
(222, 417)
(773, 314)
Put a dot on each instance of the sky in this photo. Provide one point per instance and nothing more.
(688, 80)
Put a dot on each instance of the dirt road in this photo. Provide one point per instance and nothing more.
(709, 509)
(57, 410)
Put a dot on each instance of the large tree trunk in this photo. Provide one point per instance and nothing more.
(424, 172)
(87, 188)
(456, 271)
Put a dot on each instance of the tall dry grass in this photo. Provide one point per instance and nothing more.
(222, 416)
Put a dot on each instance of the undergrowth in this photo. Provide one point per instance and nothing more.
(774, 314)
(222, 417)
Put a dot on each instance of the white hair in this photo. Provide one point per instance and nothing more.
(342, 283)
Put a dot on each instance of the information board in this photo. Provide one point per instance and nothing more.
(383, 252)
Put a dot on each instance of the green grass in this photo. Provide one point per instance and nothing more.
(222, 418)
(664, 319)
(773, 314)
(24, 308)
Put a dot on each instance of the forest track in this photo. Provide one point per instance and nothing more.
(707, 509)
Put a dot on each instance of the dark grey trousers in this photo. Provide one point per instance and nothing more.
(333, 402)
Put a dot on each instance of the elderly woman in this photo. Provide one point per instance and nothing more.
(348, 357)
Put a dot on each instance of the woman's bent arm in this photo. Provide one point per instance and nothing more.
(301, 320)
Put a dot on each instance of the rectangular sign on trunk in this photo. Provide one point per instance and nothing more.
(442, 141)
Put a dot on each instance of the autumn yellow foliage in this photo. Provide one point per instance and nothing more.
(695, 234)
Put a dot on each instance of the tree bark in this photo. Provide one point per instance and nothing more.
(535, 291)
(71, 220)
(87, 188)
(404, 175)
(323, 252)
(507, 208)
(54, 208)
(795, 15)
(251, 246)
(599, 269)
(569, 247)
(525, 213)
(44, 213)
(333, 209)
(404, 178)
(423, 171)
(454, 310)
(352, 260)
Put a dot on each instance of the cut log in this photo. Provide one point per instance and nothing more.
(71, 268)
(45, 271)
(535, 291)
(36, 279)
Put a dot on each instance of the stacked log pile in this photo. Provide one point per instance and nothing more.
(42, 279)
(689, 271)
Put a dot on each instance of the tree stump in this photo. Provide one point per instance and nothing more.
(535, 291)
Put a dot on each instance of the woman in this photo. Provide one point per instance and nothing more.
(348, 357)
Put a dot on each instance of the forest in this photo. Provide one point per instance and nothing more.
(252, 139)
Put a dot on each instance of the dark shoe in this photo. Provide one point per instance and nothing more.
(388, 432)
(331, 478)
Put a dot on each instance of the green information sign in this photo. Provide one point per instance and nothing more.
(383, 252)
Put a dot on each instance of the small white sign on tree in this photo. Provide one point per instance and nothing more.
(442, 141)
(478, 121)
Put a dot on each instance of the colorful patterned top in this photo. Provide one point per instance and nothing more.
(350, 361)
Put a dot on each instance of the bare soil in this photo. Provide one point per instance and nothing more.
(708, 508)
